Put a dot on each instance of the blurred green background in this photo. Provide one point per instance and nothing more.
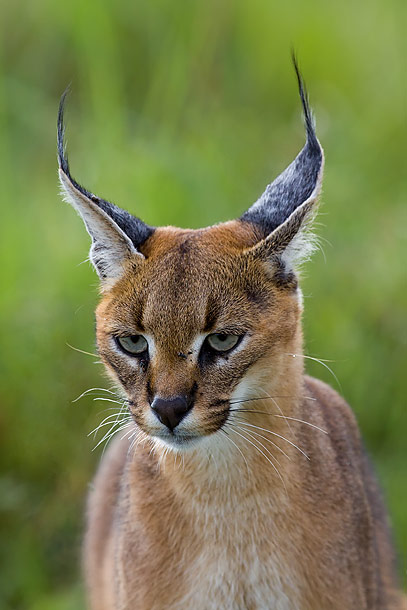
(182, 112)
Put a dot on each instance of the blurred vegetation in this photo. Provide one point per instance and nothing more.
(181, 112)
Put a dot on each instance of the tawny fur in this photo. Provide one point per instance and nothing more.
(260, 495)
(217, 527)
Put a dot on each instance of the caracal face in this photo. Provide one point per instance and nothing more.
(194, 285)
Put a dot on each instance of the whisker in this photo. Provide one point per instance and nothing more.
(119, 402)
(114, 432)
(124, 435)
(139, 437)
(237, 447)
(266, 439)
(82, 351)
(239, 400)
(272, 398)
(279, 436)
(118, 412)
(107, 423)
(301, 421)
(321, 362)
(252, 434)
(86, 392)
(263, 454)
(279, 408)
(110, 435)
(277, 405)
(115, 414)
(111, 431)
(115, 409)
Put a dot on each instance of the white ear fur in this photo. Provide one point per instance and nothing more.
(299, 250)
(293, 241)
(285, 210)
(111, 247)
(304, 242)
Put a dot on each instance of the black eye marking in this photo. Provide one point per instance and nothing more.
(211, 350)
(150, 394)
(144, 363)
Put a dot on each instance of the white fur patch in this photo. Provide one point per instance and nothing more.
(110, 245)
(228, 573)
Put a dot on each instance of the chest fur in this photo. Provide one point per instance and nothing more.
(220, 558)
(239, 578)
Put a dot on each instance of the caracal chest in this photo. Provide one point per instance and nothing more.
(245, 562)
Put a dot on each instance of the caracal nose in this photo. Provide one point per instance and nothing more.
(170, 411)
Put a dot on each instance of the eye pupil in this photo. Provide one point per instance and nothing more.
(223, 342)
(133, 344)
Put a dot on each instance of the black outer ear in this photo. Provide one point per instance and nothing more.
(296, 185)
(115, 233)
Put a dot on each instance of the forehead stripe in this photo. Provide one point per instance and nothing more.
(211, 316)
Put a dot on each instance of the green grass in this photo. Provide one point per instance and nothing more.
(182, 112)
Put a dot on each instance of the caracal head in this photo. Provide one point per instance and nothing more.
(188, 317)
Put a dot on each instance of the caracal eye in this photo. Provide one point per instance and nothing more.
(221, 342)
(134, 344)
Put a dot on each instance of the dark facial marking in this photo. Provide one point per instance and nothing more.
(149, 392)
(212, 314)
(258, 295)
(283, 279)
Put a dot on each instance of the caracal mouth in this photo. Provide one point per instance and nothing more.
(177, 441)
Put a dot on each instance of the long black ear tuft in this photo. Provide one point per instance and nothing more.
(308, 117)
(297, 184)
(62, 157)
(135, 229)
(116, 234)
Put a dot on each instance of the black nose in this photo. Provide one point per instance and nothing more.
(170, 411)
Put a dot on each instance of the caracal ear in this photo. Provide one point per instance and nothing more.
(116, 234)
(284, 211)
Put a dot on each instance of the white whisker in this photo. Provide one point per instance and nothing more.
(321, 362)
(266, 439)
(237, 447)
(81, 351)
(86, 392)
(267, 397)
(279, 436)
(252, 434)
(110, 433)
(108, 423)
(260, 451)
(119, 402)
(123, 428)
(301, 421)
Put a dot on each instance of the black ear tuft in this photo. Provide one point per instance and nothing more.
(62, 158)
(296, 184)
(308, 117)
(135, 229)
